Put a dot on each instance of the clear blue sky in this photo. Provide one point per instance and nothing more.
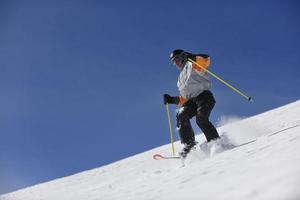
(81, 82)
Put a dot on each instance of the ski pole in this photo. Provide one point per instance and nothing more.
(170, 127)
(221, 80)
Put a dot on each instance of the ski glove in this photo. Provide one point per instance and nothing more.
(170, 100)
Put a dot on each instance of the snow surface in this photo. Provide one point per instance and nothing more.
(264, 164)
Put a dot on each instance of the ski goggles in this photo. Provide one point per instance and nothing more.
(177, 59)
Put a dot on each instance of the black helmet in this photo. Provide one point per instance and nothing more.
(176, 52)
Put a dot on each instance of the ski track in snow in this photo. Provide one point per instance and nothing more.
(263, 165)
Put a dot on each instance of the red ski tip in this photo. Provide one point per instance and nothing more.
(158, 157)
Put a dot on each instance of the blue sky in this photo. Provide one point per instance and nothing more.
(81, 82)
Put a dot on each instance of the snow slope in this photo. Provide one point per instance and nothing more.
(265, 164)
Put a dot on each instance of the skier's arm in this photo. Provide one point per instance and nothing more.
(170, 100)
(203, 60)
(178, 100)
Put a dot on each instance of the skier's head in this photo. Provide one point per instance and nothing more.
(179, 58)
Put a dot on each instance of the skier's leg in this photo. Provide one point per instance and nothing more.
(205, 104)
(184, 127)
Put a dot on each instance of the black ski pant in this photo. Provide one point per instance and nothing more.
(200, 107)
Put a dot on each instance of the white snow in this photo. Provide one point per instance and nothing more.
(265, 164)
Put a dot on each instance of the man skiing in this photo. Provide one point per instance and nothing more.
(195, 98)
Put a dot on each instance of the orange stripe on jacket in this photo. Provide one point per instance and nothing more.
(182, 100)
(204, 62)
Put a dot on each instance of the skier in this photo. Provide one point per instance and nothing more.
(195, 98)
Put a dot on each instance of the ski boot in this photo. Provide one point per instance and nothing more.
(187, 148)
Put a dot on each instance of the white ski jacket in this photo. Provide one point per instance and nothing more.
(193, 80)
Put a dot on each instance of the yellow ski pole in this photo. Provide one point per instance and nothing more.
(227, 84)
(170, 127)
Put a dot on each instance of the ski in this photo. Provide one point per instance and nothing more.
(161, 157)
